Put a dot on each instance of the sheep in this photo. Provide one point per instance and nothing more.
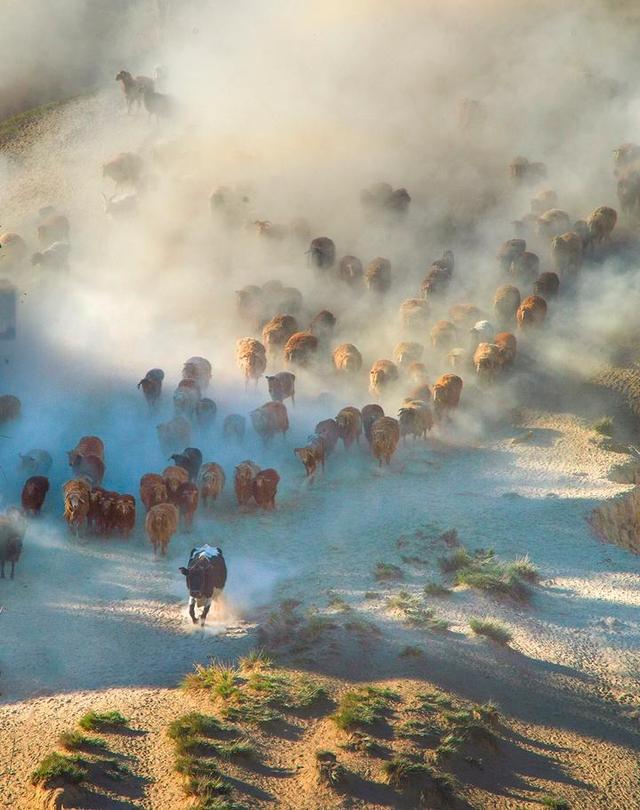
(276, 333)
(133, 88)
(601, 223)
(151, 385)
(509, 252)
(385, 435)
(552, 223)
(12, 532)
(251, 357)
(415, 419)
(53, 228)
(160, 524)
(436, 282)
(211, 480)
(369, 415)
(312, 455)
(382, 375)
(507, 346)
(547, 285)
(349, 424)
(566, 253)
(414, 314)
(86, 446)
(269, 419)
(89, 466)
(486, 361)
(234, 426)
(381, 196)
(35, 462)
(417, 373)
(505, 303)
(245, 472)
(174, 477)
(522, 170)
(267, 229)
(197, 369)
(153, 490)
(10, 408)
(265, 487)
(300, 349)
(446, 395)
(34, 492)
(186, 398)
(456, 358)
(407, 353)
(124, 515)
(628, 190)
(290, 300)
(322, 325)
(230, 205)
(76, 504)
(531, 312)
(328, 431)
(125, 169)
(350, 271)
(190, 460)
(625, 156)
(347, 359)
(174, 434)
(463, 316)
(481, 332)
(205, 413)
(322, 252)
(525, 266)
(13, 249)
(443, 335)
(543, 201)
(55, 257)
(249, 304)
(159, 105)
(377, 276)
(187, 503)
(282, 386)
(582, 229)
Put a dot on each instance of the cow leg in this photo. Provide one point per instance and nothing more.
(205, 613)
(192, 610)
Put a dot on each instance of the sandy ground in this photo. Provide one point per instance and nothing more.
(110, 628)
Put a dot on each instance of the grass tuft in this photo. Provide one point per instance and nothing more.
(385, 572)
(492, 630)
(103, 721)
(76, 741)
(400, 770)
(363, 707)
(458, 559)
(603, 426)
(555, 803)
(56, 767)
(256, 659)
(329, 770)
(436, 589)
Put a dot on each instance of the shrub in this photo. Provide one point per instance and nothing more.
(59, 767)
(555, 803)
(256, 659)
(525, 569)
(384, 572)
(496, 581)
(603, 426)
(401, 770)
(329, 770)
(491, 629)
(436, 589)
(103, 721)
(75, 741)
(305, 693)
(186, 730)
(460, 558)
(364, 706)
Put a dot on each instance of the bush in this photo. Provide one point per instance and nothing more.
(75, 741)
(436, 589)
(364, 706)
(491, 629)
(401, 770)
(603, 426)
(555, 803)
(495, 580)
(186, 730)
(329, 770)
(256, 659)
(458, 559)
(59, 767)
(103, 721)
(385, 572)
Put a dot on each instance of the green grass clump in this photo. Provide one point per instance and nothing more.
(603, 426)
(76, 741)
(187, 731)
(496, 581)
(411, 651)
(555, 803)
(362, 707)
(436, 589)
(488, 713)
(56, 767)
(417, 729)
(400, 770)
(491, 629)
(304, 693)
(525, 569)
(460, 558)
(254, 712)
(103, 721)
(385, 572)
(256, 659)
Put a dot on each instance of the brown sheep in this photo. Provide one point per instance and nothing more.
(211, 480)
(601, 224)
(12, 531)
(505, 303)
(531, 312)
(151, 385)
(407, 354)
(312, 455)
(464, 315)
(322, 325)
(523, 170)
(349, 423)
(174, 477)
(265, 488)
(486, 361)
(347, 359)
(282, 386)
(187, 503)
(10, 408)
(382, 375)
(124, 515)
(34, 492)
(414, 314)
(350, 271)
(552, 223)
(160, 524)
(417, 373)
(525, 267)
(87, 446)
(322, 252)
(446, 394)
(327, 430)
(436, 282)
(124, 169)
(269, 419)
(377, 275)
(277, 332)
(543, 201)
(566, 253)
(421, 393)
(174, 434)
(205, 413)
(507, 347)
(90, 466)
(547, 285)
(234, 426)
(443, 335)
(186, 398)
(300, 349)
(509, 252)
(369, 415)
(197, 369)
(95, 508)
(625, 156)
(245, 472)
(415, 419)
(385, 435)
(252, 359)
(153, 490)
(76, 504)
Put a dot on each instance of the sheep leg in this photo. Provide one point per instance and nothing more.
(13, 568)
(2, 569)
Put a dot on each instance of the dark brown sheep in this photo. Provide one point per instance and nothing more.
(282, 386)
(34, 492)
(301, 349)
